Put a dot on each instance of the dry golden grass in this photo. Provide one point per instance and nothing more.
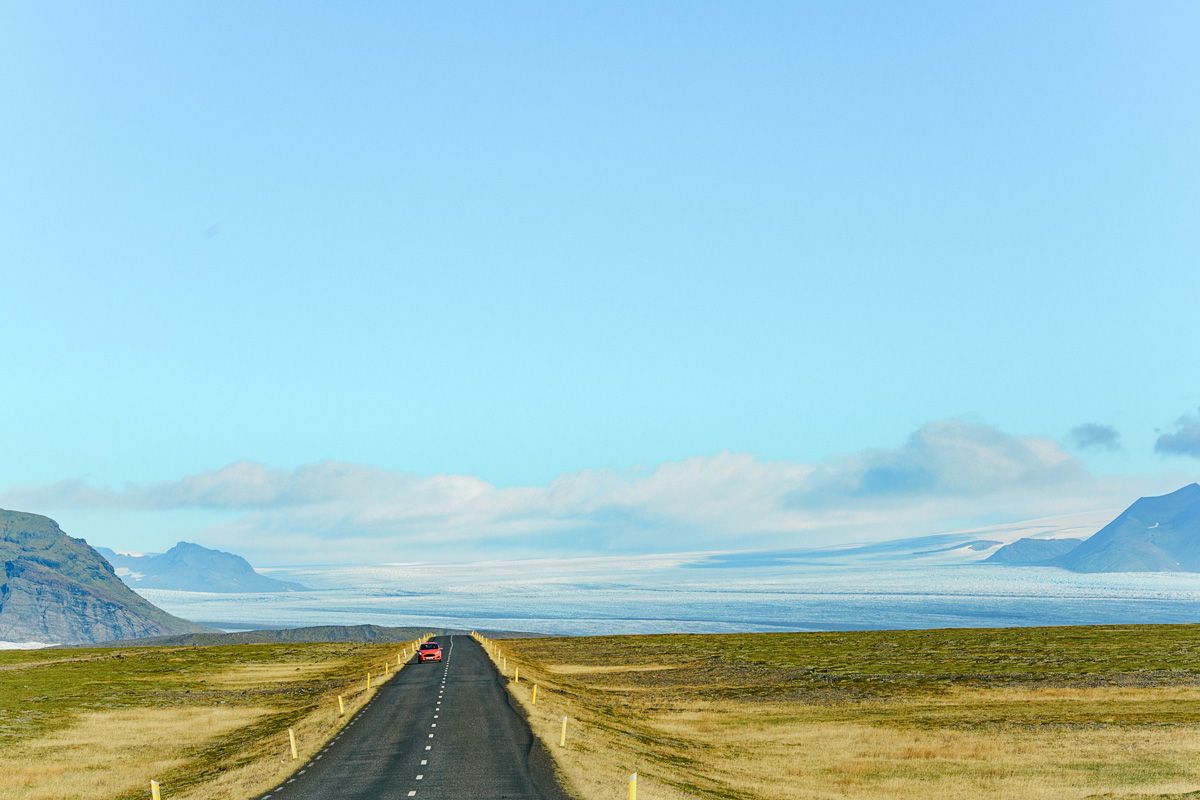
(779, 751)
(592, 669)
(209, 723)
(110, 753)
(714, 721)
(246, 676)
(266, 763)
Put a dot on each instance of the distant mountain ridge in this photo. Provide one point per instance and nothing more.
(315, 633)
(193, 568)
(57, 589)
(378, 634)
(1032, 552)
(1155, 534)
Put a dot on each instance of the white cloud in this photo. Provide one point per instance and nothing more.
(944, 459)
(946, 474)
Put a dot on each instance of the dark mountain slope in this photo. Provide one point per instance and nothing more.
(58, 589)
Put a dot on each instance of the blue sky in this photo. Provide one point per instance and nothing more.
(521, 242)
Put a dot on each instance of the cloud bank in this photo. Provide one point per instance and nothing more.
(1183, 439)
(947, 473)
(1094, 436)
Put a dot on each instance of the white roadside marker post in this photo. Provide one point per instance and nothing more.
(562, 737)
(292, 742)
(154, 793)
(341, 707)
(633, 786)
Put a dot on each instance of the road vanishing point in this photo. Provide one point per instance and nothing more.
(445, 731)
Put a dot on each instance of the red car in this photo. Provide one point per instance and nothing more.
(430, 651)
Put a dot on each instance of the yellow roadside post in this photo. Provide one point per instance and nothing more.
(534, 700)
(633, 786)
(368, 681)
(292, 742)
(516, 674)
(562, 737)
(399, 663)
(341, 707)
(505, 666)
(154, 794)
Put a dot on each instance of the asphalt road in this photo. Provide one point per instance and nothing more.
(437, 731)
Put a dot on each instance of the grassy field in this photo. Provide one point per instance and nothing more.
(206, 722)
(1110, 712)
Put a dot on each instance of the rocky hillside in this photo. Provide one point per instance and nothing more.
(58, 589)
(192, 568)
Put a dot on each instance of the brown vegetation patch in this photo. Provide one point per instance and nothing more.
(1028, 714)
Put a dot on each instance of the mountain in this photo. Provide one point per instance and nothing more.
(58, 589)
(375, 634)
(1032, 552)
(1155, 534)
(191, 568)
